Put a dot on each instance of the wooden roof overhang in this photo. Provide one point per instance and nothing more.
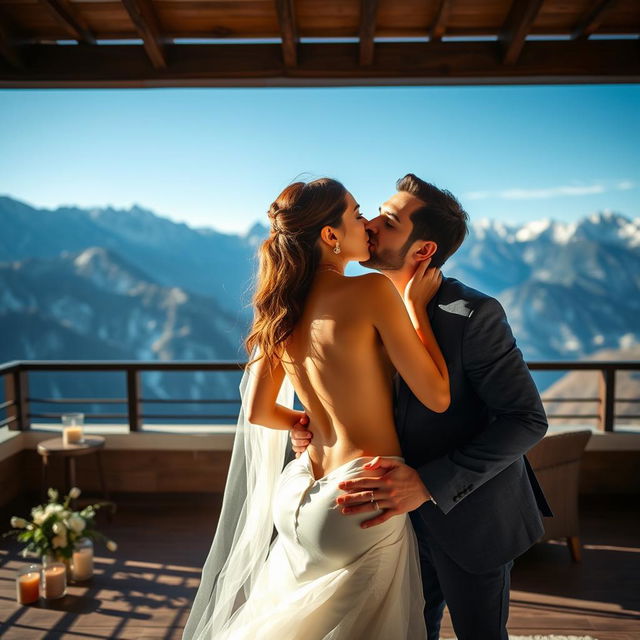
(153, 43)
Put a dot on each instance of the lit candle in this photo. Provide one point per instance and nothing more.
(55, 581)
(71, 435)
(28, 585)
(83, 561)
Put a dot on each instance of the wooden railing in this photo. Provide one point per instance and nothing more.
(18, 402)
(606, 401)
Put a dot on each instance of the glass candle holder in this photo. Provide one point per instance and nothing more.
(72, 431)
(54, 580)
(83, 560)
(28, 584)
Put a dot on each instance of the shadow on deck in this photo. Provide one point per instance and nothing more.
(145, 589)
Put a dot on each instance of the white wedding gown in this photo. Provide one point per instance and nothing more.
(322, 577)
(325, 577)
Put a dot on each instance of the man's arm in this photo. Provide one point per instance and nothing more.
(502, 380)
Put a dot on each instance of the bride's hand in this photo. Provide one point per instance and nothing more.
(300, 435)
(422, 286)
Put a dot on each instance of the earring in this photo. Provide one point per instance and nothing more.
(337, 248)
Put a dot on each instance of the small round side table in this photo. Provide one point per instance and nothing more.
(54, 448)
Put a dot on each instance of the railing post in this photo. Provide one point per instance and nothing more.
(133, 399)
(16, 389)
(10, 388)
(607, 398)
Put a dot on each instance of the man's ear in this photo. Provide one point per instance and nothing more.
(425, 251)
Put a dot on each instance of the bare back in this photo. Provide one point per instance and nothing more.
(342, 375)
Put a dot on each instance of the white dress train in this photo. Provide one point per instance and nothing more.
(325, 578)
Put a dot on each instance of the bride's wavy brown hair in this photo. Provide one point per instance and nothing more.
(289, 257)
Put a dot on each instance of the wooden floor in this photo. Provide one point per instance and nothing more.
(145, 589)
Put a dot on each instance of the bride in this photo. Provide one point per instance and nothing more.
(337, 341)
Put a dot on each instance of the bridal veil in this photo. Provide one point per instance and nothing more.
(245, 529)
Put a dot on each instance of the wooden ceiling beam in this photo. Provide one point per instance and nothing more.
(288, 32)
(328, 64)
(591, 19)
(368, 18)
(439, 25)
(515, 29)
(68, 17)
(8, 49)
(144, 18)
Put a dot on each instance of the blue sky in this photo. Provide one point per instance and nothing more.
(218, 157)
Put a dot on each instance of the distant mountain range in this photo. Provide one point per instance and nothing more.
(106, 283)
(569, 289)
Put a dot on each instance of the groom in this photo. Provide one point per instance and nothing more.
(473, 498)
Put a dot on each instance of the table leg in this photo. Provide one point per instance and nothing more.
(45, 469)
(71, 477)
(103, 484)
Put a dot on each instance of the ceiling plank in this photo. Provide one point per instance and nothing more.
(514, 31)
(439, 25)
(8, 50)
(591, 19)
(144, 18)
(288, 32)
(368, 18)
(328, 64)
(68, 17)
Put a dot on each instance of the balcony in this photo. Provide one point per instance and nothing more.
(166, 470)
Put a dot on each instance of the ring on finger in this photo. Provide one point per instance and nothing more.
(372, 499)
(375, 504)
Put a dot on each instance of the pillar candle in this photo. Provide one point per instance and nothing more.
(83, 563)
(71, 435)
(28, 586)
(55, 581)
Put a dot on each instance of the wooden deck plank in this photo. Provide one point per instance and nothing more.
(144, 591)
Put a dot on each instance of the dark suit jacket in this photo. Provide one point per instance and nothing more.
(471, 457)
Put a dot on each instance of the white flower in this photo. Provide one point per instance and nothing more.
(53, 494)
(59, 528)
(52, 508)
(111, 545)
(74, 493)
(38, 515)
(18, 523)
(59, 541)
(77, 524)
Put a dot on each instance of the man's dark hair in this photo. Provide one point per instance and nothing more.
(442, 219)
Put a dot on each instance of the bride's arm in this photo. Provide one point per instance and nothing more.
(412, 349)
(262, 408)
(421, 288)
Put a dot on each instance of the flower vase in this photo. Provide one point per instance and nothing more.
(51, 558)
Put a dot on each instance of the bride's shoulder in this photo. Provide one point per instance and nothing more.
(372, 279)
(373, 284)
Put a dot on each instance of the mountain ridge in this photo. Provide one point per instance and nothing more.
(584, 274)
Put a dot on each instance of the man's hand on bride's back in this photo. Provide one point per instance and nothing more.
(398, 491)
(300, 435)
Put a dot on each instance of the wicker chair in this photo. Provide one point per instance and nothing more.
(556, 461)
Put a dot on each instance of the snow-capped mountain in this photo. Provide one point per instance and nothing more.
(200, 260)
(569, 289)
(141, 286)
(94, 305)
